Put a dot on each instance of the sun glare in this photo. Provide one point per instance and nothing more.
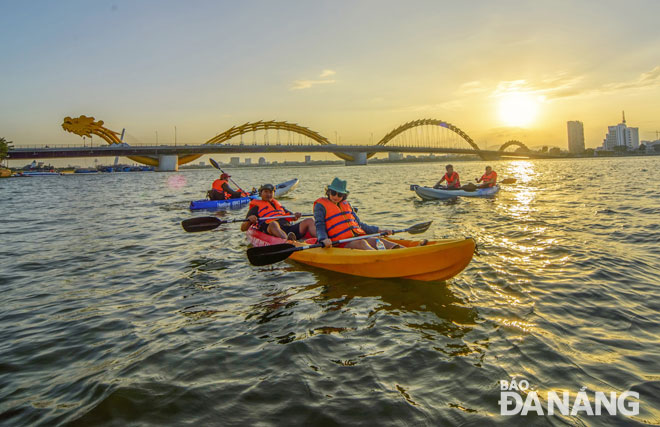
(518, 108)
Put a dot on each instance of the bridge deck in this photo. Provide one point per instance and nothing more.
(151, 150)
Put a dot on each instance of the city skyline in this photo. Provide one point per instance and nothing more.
(351, 69)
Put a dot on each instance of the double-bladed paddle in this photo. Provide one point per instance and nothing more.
(206, 223)
(265, 255)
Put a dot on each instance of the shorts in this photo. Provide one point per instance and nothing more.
(285, 225)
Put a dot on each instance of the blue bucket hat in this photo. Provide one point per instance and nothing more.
(338, 185)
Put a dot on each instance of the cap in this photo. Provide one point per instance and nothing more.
(225, 175)
(266, 187)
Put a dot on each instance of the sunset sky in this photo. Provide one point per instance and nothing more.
(499, 70)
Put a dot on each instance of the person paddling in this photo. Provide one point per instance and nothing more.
(488, 179)
(283, 227)
(453, 182)
(336, 220)
(222, 191)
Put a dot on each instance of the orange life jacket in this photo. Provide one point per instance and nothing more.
(268, 209)
(453, 181)
(217, 186)
(340, 221)
(488, 177)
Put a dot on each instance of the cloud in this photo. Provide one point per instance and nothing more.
(327, 73)
(647, 79)
(306, 84)
(470, 88)
(564, 86)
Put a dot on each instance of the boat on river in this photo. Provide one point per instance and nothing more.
(280, 190)
(436, 260)
(429, 193)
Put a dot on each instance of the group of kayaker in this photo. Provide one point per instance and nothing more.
(334, 217)
(334, 220)
(488, 179)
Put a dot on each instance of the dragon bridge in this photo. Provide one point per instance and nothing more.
(511, 143)
(425, 122)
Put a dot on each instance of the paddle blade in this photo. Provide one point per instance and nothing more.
(266, 255)
(215, 164)
(508, 181)
(419, 228)
(202, 223)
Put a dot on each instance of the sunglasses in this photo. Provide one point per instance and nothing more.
(336, 193)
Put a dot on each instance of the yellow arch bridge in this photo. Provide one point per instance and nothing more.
(414, 136)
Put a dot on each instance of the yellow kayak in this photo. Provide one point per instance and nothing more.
(437, 260)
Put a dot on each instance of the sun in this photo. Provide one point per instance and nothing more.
(518, 108)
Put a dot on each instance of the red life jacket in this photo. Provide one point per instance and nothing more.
(340, 221)
(488, 177)
(453, 181)
(268, 209)
(217, 186)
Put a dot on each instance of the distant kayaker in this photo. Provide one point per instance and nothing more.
(283, 227)
(488, 179)
(222, 191)
(335, 220)
(453, 182)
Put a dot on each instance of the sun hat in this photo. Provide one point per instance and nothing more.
(338, 185)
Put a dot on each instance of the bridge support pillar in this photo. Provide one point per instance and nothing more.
(168, 163)
(359, 159)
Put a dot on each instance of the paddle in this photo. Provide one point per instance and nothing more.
(206, 223)
(217, 166)
(266, 255)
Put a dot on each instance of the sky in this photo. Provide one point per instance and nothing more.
(499, 70)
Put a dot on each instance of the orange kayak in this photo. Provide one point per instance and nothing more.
(437, 260)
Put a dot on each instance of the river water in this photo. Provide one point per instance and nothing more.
(112, 314)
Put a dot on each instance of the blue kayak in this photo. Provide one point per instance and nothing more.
(215, 205)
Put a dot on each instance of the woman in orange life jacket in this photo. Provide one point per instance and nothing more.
(488, 179)
(336, 220)
(453, 182)
(283, 227)
(221, 190)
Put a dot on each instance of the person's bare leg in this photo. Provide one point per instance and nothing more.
(388, 244)
(274, 229)
(359, 244)
(307, 226)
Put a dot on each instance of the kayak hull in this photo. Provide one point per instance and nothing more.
(437, 260)
(280, 190)
(428, 193)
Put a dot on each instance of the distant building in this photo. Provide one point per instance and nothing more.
(308, 159)
(575, 136)
(234, 161)
(394, 156)
(262, 160)
(652, 146)
(248, 161)
(621, 136)
(202, 163)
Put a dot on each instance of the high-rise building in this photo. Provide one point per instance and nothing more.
(575, 136)
(234, 161)
(248, 161)
(621, 136)
(308, 159)
(262, 160)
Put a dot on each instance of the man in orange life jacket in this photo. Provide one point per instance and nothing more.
(336, 220)
(488, 179)
(453, 182)
(283, 227)
(222, 191)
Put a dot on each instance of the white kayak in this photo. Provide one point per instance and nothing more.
(429, 193)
